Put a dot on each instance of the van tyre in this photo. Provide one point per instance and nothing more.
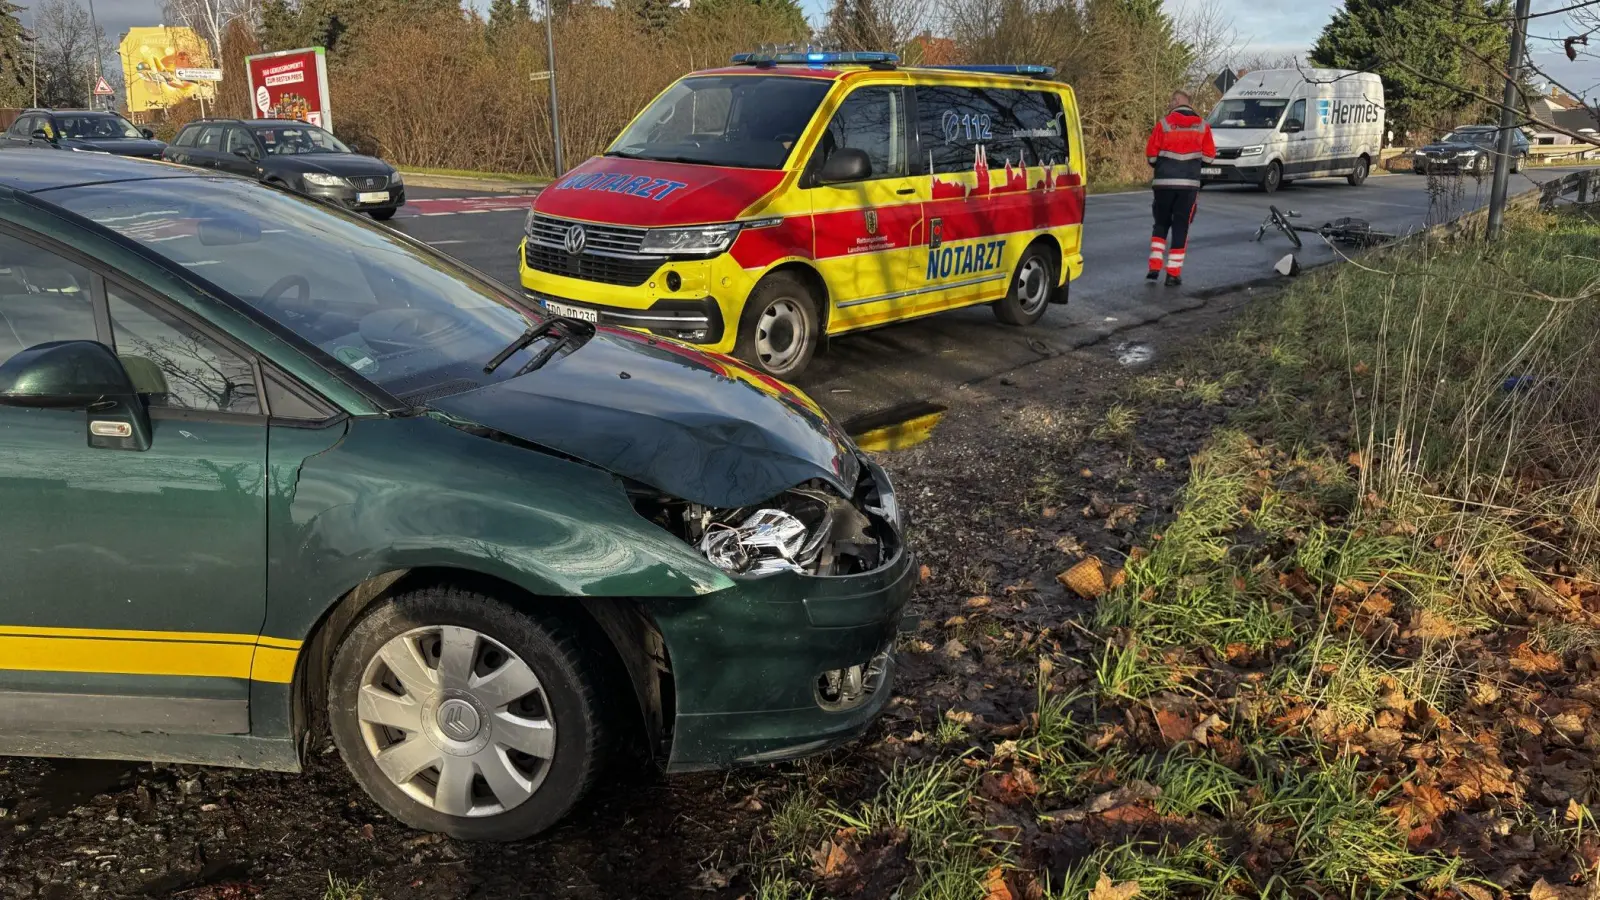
(1359, 176)
(779, 328)
(459, 715)
(1032, 283)
(1273, 179)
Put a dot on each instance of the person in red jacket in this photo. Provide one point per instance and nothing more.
(1179, 145)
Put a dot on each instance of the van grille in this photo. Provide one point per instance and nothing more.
(1227, 153)
(610, 253)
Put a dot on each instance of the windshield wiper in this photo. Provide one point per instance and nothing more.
(564, 337)
(533, 333)
(621, 154)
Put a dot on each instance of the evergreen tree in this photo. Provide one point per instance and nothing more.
(1398, 38)
(525, 10)
(502, 16)
(15, 58)
(286, 24)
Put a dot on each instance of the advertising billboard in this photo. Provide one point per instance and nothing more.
(151, 62)
(290, 84)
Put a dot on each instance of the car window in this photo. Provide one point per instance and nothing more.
(397, 313)
(43, 298)
(174, 366)
(210, 138)
(186, 137)
(1014, 127)
(1297, 113)
(239, 139)
(291, 140)
(96, 127)
(22, 127)
(1247, 113)
(871, 119)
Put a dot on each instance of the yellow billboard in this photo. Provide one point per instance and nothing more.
(151, 58)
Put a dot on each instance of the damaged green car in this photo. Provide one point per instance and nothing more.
(267, 469)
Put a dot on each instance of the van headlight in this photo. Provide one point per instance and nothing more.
(1252, 150)
(699, 240)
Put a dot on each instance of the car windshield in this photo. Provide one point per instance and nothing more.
(395, 311)
(748, 121)
(96, 127)
(292, 141)
(1481, 136)
(1252, 113)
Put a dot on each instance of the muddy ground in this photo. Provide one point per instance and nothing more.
(1014, 452)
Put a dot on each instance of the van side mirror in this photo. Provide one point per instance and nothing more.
(82, 375)
(1290, 126)
(847, 164)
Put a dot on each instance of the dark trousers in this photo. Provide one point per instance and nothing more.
(1174, 210)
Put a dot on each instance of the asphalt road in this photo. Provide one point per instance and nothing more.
(919, 361)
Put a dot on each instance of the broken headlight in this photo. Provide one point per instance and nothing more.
(809, 529)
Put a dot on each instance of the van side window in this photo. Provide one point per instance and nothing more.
(1297, 113)
(1025, 128)
(873, 120)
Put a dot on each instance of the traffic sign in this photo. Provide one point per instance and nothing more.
(102, 88)
(1224, 80)
(199, 74)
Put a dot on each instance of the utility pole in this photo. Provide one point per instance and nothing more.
(94, 34)
(1508, 121)
(555, 118)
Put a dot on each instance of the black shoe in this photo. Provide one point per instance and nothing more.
(1174, 281)
(1152, 275)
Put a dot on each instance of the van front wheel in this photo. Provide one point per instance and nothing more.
(1031, 285)
(1273, 179)
(779, 329)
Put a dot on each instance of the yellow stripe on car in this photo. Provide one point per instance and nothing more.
(175, 653)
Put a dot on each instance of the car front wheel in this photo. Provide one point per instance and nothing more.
(457, 714)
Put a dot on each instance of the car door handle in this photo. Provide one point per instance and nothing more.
(904, 191)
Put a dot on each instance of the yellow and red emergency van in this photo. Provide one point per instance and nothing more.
(759, 208)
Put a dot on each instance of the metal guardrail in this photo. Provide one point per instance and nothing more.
(1582, 187)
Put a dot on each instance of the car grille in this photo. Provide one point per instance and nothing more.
(369, 182)
(610, 253)
(1228, 153)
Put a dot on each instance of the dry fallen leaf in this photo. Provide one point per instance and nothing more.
(1530, 661)
(924, 573)
(1105, 890)
(1087, 579)
(995, 887)
(1544, 890)
(1175, 726)
(977, 602)
(829, 859)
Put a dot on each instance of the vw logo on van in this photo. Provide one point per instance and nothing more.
(576, 239)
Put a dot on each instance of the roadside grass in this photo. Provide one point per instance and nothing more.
(340, 889)
(482, 176)
(1380, 582)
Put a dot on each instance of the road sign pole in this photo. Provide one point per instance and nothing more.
(555, 116)
(95, 28)
(1506, 146)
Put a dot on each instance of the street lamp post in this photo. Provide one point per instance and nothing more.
(94, 29)
(555, 117)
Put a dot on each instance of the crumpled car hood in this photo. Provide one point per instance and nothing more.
(701, 427)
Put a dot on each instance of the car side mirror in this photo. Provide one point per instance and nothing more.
(149, 135)
(243, 152)
(39, 134)
(847, 164)
(1291, 126)
(82, 375)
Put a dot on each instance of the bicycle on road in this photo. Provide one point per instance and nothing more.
(1347, 230)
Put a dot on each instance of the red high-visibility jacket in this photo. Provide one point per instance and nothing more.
(1179, 145)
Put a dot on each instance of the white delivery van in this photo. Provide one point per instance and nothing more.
(1281, 125)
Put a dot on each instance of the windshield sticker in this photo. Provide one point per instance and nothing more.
(622, 183)
(356, 358)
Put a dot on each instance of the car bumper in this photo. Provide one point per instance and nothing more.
(1449, 165)
(1228, 173)
(347, 197)
(747, 662)
(697, 301)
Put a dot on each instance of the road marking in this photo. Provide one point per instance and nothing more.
(441, 243)
(452, 206)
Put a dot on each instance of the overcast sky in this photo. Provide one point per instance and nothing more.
(1270, 27)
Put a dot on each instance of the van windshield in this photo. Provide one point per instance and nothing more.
(745, 121)
(1252, 113)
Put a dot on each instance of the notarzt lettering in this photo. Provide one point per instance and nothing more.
(963, 259)
(622, 183)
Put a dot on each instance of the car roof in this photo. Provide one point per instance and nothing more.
(30, 169)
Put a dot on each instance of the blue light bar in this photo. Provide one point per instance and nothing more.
(1039, 71)
(816, 58)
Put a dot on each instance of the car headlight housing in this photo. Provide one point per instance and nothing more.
(699, 240)
(1254, 150)
(1472, 152)
(397, 178)
(321, 179)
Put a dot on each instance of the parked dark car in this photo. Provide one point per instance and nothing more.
(1470, 148)
(269, 470)
(84, 130)
(292, 155)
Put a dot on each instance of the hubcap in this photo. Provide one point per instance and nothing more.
(456, 720)
(781, 335)
(1033, 285)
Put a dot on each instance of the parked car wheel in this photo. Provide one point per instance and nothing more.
(458, 714)
(382, 215)
(1359, 176)
(779, 328)
(1031, 284)
(1517, 162)
(1273, 179)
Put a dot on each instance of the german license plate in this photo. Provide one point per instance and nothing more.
(572, 312)
(1211, 170)
(373, 197)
